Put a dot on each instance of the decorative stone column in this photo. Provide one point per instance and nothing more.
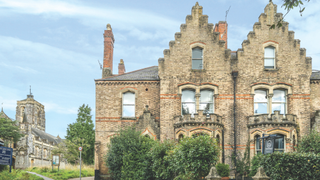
(213, 174)
(260, 175)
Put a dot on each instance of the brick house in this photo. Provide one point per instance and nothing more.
(199, 86)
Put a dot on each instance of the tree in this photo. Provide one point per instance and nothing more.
(9, 132)
(310, 143)
(289, 5)
(82, 133)
(128, 157)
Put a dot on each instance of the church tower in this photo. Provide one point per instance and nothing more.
(30, 112)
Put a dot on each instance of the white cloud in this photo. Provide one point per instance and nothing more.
(53, 107)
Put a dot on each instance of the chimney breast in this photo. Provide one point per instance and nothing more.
(222, 28)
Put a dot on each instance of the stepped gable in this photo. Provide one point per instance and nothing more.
(44, 135)
(146, 74)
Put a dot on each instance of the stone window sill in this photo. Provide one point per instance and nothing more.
(198, 70)
(270, 69)
(128, 118)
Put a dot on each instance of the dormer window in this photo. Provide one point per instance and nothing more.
(269, 57)
(197, 61)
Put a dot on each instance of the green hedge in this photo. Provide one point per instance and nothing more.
(291, 166)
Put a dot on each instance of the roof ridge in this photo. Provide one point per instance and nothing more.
(127, 73)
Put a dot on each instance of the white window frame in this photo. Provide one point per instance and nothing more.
(271, 57)
(197, 59)
(212, 102)
(270, 102)
(129, 105)
(195, 101)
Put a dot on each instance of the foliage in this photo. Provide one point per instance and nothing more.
(288, 6)
(292, 166)
(195, 156)
(9, 131)
(18, 175)
(127, 156)
(161, 160)
(243, 162)
(71, 171)
(255, 164)
(83, 129)
(310, 143)
(223, 169)
(69, 149)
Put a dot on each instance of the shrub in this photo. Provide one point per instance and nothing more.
(310, 143)
(161, 159)
(223, 169)
(293, 166)
(195, 156)
(255, 164)
(127, 156)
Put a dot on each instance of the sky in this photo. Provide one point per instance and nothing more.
(55, 45)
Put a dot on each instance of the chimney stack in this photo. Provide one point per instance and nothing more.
(108, 52)
(222, 28)
(121, 68)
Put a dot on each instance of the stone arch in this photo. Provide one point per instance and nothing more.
(200, 130)
(181, 131)
(128, 89)
(189, 86)
(149, 133)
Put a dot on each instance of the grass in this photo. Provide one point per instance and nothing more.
(17, 175)
(71, 171)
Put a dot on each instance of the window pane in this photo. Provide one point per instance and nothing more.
(269, 52)
(188, 96)
(204, 106)
(260, 108)
(258, 143)
(128, 98)
(278, 107)
(188, 108)
(279, 143)
(196, 53)
(260, 96)
(128, 111)
(196, 64)
(279, 96)
(268, 62)
(206, 96)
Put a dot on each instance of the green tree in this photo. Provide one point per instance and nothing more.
(310, 143)
(128, 157)
(9, 131)
(81, 133)
(288, 6)
(193, 157)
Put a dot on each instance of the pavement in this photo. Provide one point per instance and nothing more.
(45, 178)
(83, 178)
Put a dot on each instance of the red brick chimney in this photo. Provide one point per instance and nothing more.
(108, 52)
(121, 68)
(222, 28)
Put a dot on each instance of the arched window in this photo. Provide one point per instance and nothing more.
(128, 104)
(181, 136)
(279, 101)
(257, 144)
(206, 101)
(279, 144)
(199, 134)
(197, 58)
(294, 143)
(269, 57)
(188, 100)
(260, 102)
(218, 139)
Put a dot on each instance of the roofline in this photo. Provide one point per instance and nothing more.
(106, 79)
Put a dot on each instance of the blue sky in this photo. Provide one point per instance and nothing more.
(55, 45)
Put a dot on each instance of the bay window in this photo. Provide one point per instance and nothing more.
(265, 103)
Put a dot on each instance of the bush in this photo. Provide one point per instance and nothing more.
(255, 164)
(310, 143)
(127, 157)
(293, 166)
(195, 156)
(161, 159)
(223, 169)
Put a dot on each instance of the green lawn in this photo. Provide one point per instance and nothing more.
(17, 175)
(63, 174)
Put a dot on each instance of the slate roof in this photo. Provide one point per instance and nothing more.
(315, 75)
(44, 135)
(146, 74)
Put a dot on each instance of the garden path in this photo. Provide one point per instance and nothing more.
(45, 178)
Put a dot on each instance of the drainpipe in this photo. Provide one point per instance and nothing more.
(223, 146)
(234, 76)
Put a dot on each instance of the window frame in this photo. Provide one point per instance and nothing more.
(195, 101)
(128, 105)
(270, 101)
(256, 140)
(273, 58)
(197, 59)
(207, 102)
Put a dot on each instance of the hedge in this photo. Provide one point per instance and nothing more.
(291, 166)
